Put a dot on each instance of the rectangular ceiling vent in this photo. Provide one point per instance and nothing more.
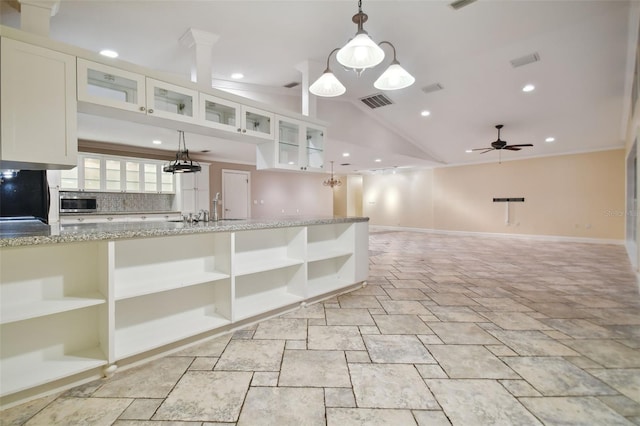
(432, 88)
(376, 101)
(291, 85)
(459, 4)
(525, 60)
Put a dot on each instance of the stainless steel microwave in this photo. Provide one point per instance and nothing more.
(78, 204)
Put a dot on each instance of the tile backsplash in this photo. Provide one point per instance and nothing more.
(119, 202)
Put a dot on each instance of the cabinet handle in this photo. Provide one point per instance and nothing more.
(150, 110)
(142, 108)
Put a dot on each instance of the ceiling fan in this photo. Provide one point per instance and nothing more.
(500, 144)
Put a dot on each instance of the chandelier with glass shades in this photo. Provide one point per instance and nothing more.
(359, 54)
(331, 182)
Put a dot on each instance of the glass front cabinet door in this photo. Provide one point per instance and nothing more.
(314, 148)
(256, 122)
(219, 113)
(170, 101)
(288, 144)
(109, 86)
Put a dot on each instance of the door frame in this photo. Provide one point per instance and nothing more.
(248, 176)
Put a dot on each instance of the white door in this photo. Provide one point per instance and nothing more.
(235, 194)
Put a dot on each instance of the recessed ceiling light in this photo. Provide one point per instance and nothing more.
(237, 76)
(469, 151)
(157, 142)
(528, 88)
(345, 154)
(425, 113)
(109, 53)
(377, 160)
(550, 139)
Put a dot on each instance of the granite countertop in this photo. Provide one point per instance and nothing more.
(57, 233)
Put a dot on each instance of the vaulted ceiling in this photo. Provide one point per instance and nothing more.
(582, 78)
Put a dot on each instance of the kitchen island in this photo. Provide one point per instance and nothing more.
(79, 300)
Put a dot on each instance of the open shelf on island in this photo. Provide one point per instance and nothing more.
(259, 293)
(47, 348)
(264, 264)
(27, 309)
(268, 249)
(324, 276)
(315, 254)
(150, 265)
(42, 371)
(126, 290)
(152, 321)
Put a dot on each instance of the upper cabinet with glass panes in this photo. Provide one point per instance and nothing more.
(113, 87)
(103, 173)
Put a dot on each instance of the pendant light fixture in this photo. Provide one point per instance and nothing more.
(331, 182)
(359, 54)
(182, 163)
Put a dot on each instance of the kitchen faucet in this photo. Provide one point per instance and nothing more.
(214, 212)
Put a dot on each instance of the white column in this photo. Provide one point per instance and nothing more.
(202, 43)
(35, 15)
(310, 70)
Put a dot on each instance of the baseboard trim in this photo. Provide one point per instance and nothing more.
(553, 238)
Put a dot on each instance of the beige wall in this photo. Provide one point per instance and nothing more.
(347, 198)
(578, 195)
(400, 199)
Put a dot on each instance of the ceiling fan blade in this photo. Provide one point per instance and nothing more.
(512, 148)
(487, 150)
(482, 149)
(518, 146)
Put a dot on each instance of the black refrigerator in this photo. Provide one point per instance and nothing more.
(25, 195)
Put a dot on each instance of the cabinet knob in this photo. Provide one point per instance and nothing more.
(80, 219)
(143, 217)
(142, 108)
(150, 111)
(109, 219)
(239, 130)
(244, 130)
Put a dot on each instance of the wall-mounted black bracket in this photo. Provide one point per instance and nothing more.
(508, 200)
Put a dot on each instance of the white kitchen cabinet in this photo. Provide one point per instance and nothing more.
(100, 173)
(234, 117)
(53, 313)
(38, 107)
(109, 86)
(169, 288)
(298, 145)
(194, 191)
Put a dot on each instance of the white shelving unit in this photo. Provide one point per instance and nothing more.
(169, 288)
(146, 323)
(330, 256)
(269, 270)
(86, 306)
(53, 316)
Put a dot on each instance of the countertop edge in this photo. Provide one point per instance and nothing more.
(117, 231)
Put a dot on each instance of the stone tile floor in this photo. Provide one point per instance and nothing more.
(449, 330)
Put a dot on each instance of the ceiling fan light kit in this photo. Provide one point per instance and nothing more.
(499, 145)
(360, 53)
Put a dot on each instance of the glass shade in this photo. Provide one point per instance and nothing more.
(327, 86)
(395, 77)
(361, 52)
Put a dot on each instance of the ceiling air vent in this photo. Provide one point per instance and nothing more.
(432, 88)
(291, 85)
(525, 60)
(345, 164)
(459, 4)
(376, 101)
